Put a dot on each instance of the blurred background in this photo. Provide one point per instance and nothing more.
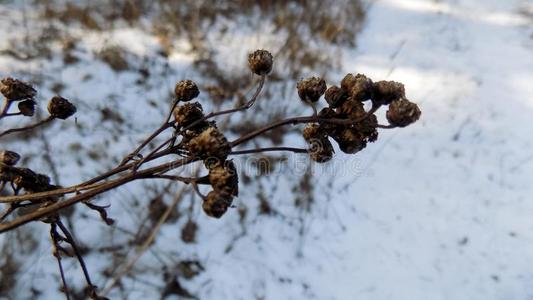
(438, 210)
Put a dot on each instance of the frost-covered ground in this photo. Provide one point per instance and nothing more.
(439, 210)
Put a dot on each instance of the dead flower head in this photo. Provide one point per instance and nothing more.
(402, 113)
(311, 89)
(16, 90)
(186, 90)
(260, 62)
(61, 108)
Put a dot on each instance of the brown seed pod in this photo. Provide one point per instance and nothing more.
(30, 181)
(7, 174)
(350, 141)
(351, 109)
(362, 88)
(329, 113)
(188, 113)
(311, 89)
(9, 158)
(43, 180)
(224, 178)
(27, 108)
(348, 82)
(368, 128)
(335, 96)
(260, 62)
(61, 108)
(210, 143)
(16, 90)
(212, 162)
(359, 87)
(217, 203)
(186, 90)
(385, 92)
(312, 132)
(402, 113)
(320, 150)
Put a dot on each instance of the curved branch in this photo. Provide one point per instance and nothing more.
(5, 108)
(294, 121)
(13, 130)
(246, 106)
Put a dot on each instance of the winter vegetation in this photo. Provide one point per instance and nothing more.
(265, 149)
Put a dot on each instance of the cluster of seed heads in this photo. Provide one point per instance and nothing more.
(22, 93)
(15, 90)
(21, 178)
(347, 103)
(203, 140)
(344, 120)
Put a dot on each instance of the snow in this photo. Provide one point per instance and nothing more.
(438, 210)
(444, 213)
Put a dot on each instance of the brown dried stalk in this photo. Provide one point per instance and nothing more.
(28, 127)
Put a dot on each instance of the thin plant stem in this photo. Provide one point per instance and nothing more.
(32, 126)
(55, 252)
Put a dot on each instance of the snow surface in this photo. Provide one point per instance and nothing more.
(439, 210)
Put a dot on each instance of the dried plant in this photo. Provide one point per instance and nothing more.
(193, 137)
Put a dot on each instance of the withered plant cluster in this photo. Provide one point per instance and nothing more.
(193, 137)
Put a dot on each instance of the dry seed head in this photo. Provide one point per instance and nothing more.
(31, 181)
(224, 178)
(385, 92)
(313, 132)
(42, 179)
(27, 108)
(210, 143)
(361, 89)
(402, 113)
(212, 162)
(186, 90)
(311, 89)
(327, 113)
(217, 203)
(196, 130)
(9, 158)
(352, 109)
(260, 62)
(348, 81)
(320, 150)
(368, 128)
(61, 108)
(16, 90)
(329, 128)
(350, 141)
(335, 96)
(7, 173)
(188, 113)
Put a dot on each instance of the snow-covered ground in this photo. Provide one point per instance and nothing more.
(443, 209)
(438, 210)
